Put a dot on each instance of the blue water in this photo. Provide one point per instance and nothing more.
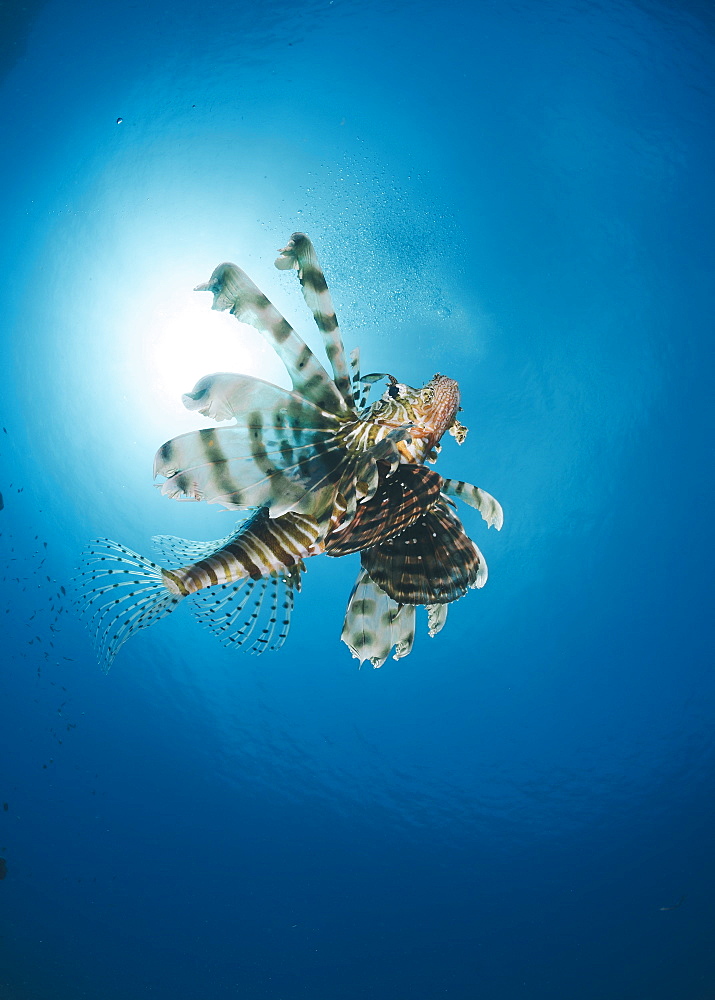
(519, 196)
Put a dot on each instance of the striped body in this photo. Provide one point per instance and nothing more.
(122, 592)
(263, 547)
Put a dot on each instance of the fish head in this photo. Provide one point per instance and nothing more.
(434, 406)
(429, 412)
(439, 404)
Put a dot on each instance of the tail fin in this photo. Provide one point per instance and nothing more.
(119, 592)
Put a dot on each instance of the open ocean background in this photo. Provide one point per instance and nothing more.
(519, 195)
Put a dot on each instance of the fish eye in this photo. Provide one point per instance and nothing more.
(393, 390)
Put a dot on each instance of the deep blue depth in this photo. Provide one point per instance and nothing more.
(519, 196)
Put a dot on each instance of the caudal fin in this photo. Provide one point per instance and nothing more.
(119, 592)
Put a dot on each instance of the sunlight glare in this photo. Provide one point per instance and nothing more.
(185, 340)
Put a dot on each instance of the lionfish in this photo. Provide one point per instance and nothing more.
(313, 470)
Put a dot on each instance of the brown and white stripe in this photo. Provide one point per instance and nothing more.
(400, 500)
(262, 547)
(433, 561)
(484, 502)
(299, 253)
(234, 291)
(297, 450)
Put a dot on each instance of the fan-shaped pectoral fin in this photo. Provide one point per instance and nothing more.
(253, 465)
